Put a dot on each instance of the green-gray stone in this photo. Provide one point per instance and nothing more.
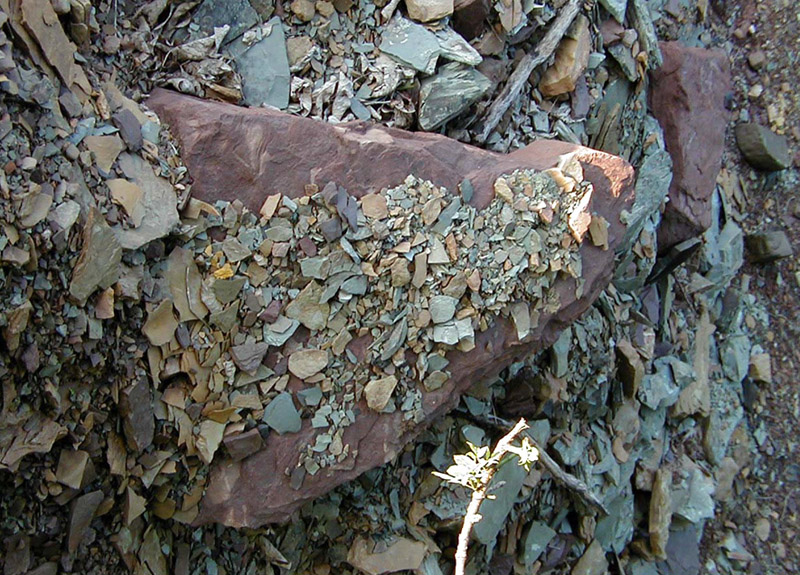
(411, 44)
(509, 478)
(762, 148)
(449, 93)
(264, 68)
(281, 414)
(535, 541)
(227, 290)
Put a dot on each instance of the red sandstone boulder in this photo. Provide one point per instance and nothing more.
(688, 98)
(247, 154)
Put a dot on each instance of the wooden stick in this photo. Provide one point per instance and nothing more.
(525, 67)
(472, 516)
(562, 477)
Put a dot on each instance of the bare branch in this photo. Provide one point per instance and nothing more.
(525, 67)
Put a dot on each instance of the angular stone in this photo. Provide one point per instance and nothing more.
(508, 483)
(71, 468)
(248, 356)
(429, 10)
(138, 422)
(762, 148)
(535, 541)
(760, 368)
(129, 129)
(592, 562)
(689, 91)
(242, 445)
(660, 512)
(238, 14)
(307, 309)
(161, 324)
(616, 8)
(238, 153)
(379, 391)
(80, 517)
(410, 44)
(442, 308)
(766, 247)
(399, 555)
(281, 414)
(159, 203)
(450, 92)
(469, 17)
(264, 68)
(99, 261)
(308, 362)
(571, 59)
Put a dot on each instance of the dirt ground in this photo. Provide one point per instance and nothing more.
(764, 512)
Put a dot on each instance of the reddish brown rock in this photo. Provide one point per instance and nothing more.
(688, 98)
(248, 154)
(469, 17)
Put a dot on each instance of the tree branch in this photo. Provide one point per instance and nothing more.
(525, 67)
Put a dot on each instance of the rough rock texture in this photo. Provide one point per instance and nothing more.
(688, 99)
(247, 154)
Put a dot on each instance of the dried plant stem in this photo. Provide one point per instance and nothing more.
(525, 67)
(562, 477)
(472, 516)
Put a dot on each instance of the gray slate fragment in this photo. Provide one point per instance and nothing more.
(623, 56)
(411, 44)
(442, 308)
(616, 8)
(642, 22)
(243, 444)
(509, 479)
(453, 47)
(238, 14)
(726, 413)
(762, 148)
(449, 93)
(80, 518)
(535, 541)
(136, 408)
(765, 247)
(98, 264)
(694, 500)
(159, 202)
(652, 186)
(264, 68)
(248, 356)
(281, 414)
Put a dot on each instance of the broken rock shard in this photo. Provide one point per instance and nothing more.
(391, 405)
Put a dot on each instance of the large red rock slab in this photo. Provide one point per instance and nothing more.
(247, 154)
(687, 97)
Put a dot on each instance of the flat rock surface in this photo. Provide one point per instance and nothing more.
(237, 153)
(689, 91)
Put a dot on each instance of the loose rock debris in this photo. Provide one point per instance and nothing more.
(140, 338)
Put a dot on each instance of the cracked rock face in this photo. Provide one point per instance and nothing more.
(247, 154)
(688, 93)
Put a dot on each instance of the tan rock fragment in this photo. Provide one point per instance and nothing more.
(429, 10)
(161, 324)
(71, 467)
(660, 512)
(760, 368)
(379, 391)
(402, 555)
(129, 196)
(374, 206)
(307, 362)
(307, 309)
(106, 149)
(572, 57)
